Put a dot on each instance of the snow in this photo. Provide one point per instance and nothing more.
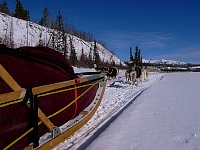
(163, 61)
(165, 116)
(161, 113)
(115, 99)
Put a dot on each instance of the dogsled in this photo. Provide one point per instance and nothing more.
(42, 100)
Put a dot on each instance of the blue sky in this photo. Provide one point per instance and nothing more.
(168, 29)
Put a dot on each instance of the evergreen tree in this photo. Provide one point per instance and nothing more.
(18, 9)
(60, 39)
(26, 15)
(90, 55)
(40, 42)
(90, 61)
(4, 8)
(138, 57)
(59, 22)
(73, 57)
(141, 61)
(82, 60)
(97, 59)
(131, 55)
(20, 12)
(45, 20)
(65, 50)
(53, 40)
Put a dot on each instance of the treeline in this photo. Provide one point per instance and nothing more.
(46, 20)
(136, 59)
(19, 12)
(58, 24)
(61, 39)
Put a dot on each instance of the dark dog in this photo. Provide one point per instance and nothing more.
(109, 72)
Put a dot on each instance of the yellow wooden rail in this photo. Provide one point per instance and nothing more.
(44, 119)
(19, 94)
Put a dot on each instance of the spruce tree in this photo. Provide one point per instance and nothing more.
(26, 15)
(60, 35)
(20, 12)
(4, 8)
(97, 59)
(131, 55)
(137, 56)
(141, 61)
(45, 19)
(65, 50)
(82, 60)
(90, 60)
(73, 57)
(59, 22)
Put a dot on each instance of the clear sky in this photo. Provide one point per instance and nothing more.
(168, 29)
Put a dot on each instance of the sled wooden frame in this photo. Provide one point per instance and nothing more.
(88, 115)
(16, 88)
(19, 93)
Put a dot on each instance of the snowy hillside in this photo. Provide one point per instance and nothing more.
(26, 33)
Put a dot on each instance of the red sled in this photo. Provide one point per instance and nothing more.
(42, 100)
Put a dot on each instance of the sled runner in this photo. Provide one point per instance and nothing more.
(42, 100)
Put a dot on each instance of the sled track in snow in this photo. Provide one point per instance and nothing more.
(108, 122)
(98, 128)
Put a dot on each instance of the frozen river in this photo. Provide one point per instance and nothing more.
(164, 117)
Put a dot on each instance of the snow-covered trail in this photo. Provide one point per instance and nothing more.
(116, 99)
(164, 117)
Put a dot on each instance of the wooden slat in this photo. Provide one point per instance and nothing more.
(45, 120)
(8, 97)
(50, 87)
(52, 143)
(19, 93)
(84, 112)
(8, 79)
(54, 86)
